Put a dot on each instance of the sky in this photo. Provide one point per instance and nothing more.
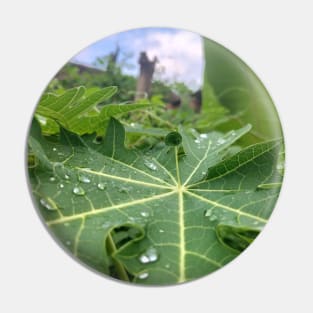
(179, 53)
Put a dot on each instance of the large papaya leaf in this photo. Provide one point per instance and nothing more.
(173, 215)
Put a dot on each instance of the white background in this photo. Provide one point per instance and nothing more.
(274, 38)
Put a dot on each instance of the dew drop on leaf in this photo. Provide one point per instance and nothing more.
(161, 230)
(144, 259)
(150, 165)
(78, 191)
(203, 136)
(61, 186)
(220, 141)
(84, 179)
(213, 218)
(124, 189)
(144, 214)
(47, 205)
(102, 186)
(143, 275)
(208, 212)
(54, 149)
(66, 176)
(52, 178)
(151, 255)
(105, 225)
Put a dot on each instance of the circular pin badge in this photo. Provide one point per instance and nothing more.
(155, 156)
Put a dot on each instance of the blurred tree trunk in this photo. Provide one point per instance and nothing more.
(147, 68)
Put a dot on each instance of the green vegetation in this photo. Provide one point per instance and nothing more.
(146, 194)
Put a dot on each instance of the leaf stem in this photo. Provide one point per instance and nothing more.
(122, 274)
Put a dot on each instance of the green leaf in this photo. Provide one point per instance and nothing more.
(71, 111)
(168, 216)
(77, 110)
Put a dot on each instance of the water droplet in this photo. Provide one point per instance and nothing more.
(197, 140)
(102, 186)
(203, 173)
(208, 212)
(66, 224)
(132, 124)
(52, 178)
(124, 189)
(204, 136)
(144, 214)
(105, 225)
(143, 275)
(61, 186)
(84, 179)
(66, 176)
(46, 204)
(150, 165)
(144, 259)
(54, 149)
(161, 230)
(78, 191)
(151, 255)
(167, 265)
(213, 218)
(220, 141)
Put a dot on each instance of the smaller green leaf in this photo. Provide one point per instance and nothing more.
(77, 111)
(89, 103)
(67, 98)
